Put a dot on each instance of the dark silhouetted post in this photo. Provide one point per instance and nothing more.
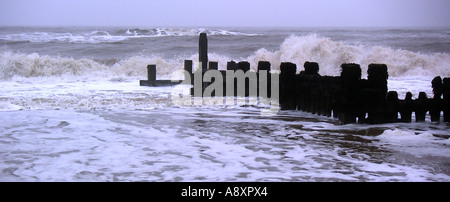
(377, 86)
(214, 65)
(203, 51)
(231, 65)
(446, 95)
(151, 72)
(391, 107)
(311, 68)
(287, 84)
(421, 107)
(436, 102)
(245, 67)
(350, 76)
(265, 66)
(377, 77)
(188, 68)
(405, 108)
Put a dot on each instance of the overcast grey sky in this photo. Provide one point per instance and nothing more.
(303, 13)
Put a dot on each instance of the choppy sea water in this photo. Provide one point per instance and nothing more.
(71, 109)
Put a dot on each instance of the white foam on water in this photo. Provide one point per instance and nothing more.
(173, 144)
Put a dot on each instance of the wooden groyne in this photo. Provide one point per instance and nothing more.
(347, 97)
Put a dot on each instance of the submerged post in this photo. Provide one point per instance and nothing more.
(203, 51)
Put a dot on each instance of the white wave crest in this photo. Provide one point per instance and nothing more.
(331, 54)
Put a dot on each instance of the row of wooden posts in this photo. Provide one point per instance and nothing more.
(347, 97)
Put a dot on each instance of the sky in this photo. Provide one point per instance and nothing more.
(247, 13)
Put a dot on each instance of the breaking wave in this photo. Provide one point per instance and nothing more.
(331, 54)
(298, 49)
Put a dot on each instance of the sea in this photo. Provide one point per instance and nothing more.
(71, 108)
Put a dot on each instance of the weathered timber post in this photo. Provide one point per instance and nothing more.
(335, 97)
(312, 70)
(377, 86)
(188, 68)
(315, 91)
(265, 66)
(245, 67)
(306, 84)
(350, 76)
(213, 65)
(203, 51)
(391, 114)
(231, 66)
(406, 108)
(446, 96)
(421, 107)
(287, 84)
(436, 103)
(151, 72)
(326, 104)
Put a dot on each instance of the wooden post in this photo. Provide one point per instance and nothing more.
(350, 77)
(311, 68)
(377, 86)
(421, 107)
(151, 72)
(265, 66)
(245, 67)
(446, 96)
(214, 65)
(436, 103)
(405, 108)
(326, 104)
(231, 65)
(391, 113)
(203, 51)
(287, 84)
(188, 68)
